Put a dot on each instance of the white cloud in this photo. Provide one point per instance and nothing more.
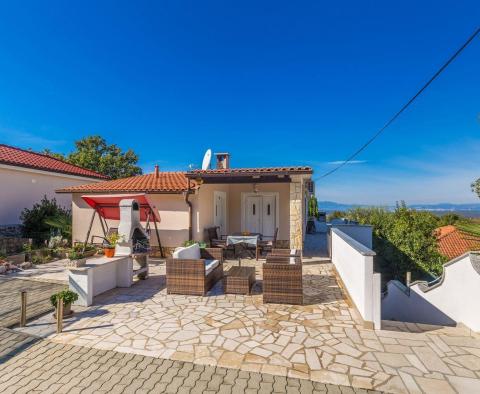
(27, 140)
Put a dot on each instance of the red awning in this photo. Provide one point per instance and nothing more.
(107, 205)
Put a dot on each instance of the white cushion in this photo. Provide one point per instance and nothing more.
(210, 265)
(176, 252)
(191, 252)
(293, 251)
(292, 260)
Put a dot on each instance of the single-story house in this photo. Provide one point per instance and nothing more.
(258, 200)
(26, 176)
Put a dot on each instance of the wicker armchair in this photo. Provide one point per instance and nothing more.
(268, 245)
(217, 241)
(286, 252)
(187, 276)
(282, 280)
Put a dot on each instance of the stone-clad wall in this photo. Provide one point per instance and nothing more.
(296, 211)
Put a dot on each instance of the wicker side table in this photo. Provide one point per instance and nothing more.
(239, 280)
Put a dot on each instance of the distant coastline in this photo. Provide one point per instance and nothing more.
(467, 210)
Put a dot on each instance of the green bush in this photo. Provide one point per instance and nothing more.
(68, 297)
(404, 240)
(202, 245)
(313, 207)
(75, 254)
(38, 222)
(336, 215)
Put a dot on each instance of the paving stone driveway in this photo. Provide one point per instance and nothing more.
(32, 365)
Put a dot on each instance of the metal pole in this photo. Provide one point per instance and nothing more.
(89, 229)
(59, 315)
(409, 278)
(23, 308)
(101, 223)
(158, 236)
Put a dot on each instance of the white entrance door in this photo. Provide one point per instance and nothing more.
(220, 211)
(253, 214)
(261, 214)
(268, 216)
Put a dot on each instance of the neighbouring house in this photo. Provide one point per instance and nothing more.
(453, 242)
(26, 176)
(257, 200)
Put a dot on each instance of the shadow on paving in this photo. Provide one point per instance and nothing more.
(38, 299)
(13, 343)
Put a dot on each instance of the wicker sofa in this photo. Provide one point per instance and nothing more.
(282, 280)
(194, 271)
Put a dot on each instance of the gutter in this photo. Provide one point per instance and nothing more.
(189, 204)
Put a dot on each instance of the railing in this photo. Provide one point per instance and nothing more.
(354, 263)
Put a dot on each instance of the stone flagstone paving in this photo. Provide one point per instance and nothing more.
(324, 341)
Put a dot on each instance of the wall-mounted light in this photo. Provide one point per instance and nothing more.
(255, 188)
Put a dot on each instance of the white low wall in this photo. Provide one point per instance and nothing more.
(451, 299)
(354, 263)
(359, 232)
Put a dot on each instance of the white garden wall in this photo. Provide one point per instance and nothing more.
(354, 263)
(359, 232)
(451, 299)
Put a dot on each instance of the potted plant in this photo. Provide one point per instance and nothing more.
(109, 249)
(68, 297)
(76, 258)
(88, 250)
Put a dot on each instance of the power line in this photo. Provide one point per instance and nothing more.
(405, 106)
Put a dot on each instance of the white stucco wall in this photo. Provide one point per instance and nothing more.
(354, 263)
(202, 203)
(172, 209)
(454, 299)
(360, 233)
(23, 187)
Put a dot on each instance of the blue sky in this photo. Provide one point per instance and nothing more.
(274, 83)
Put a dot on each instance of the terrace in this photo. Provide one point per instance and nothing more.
(324, 340)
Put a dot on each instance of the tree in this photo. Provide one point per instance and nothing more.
(476, 187)
(404, 240)
(313, 207)
(94, 153)
(335, 215)
(39, 221)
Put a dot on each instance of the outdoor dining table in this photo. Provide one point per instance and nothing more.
(244, 242)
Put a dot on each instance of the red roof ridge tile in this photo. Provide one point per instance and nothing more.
(167, 181)
(75, 170)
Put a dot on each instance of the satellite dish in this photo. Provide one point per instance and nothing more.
(206, 159)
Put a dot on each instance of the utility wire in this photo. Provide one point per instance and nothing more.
(405, 106)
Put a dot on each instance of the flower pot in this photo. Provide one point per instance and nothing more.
(67, 311)
(109, 252)
(90, 253)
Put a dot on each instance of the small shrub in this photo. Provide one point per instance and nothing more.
(75, 254)
(68, 297)
(202, 245)
(112, 240)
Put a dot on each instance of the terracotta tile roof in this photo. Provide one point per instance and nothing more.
(453, 243)
(13, 156)
(166, 182)
(252, 171)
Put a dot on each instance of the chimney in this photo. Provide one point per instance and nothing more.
(156, 171)
(223, 161)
